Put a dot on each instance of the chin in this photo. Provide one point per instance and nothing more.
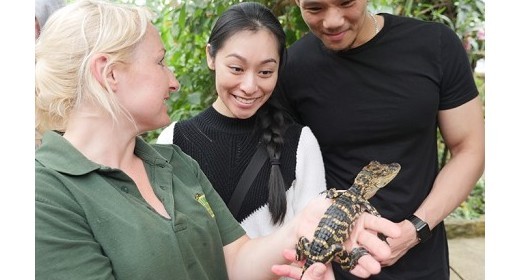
(335, 47)
(163, 122)
(240, 114)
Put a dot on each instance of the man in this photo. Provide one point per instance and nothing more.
(377, 87)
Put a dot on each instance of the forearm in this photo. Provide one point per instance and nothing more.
(463, 132)
(452, 186)
(255, 257)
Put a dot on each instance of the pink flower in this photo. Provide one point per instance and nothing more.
(481, 34)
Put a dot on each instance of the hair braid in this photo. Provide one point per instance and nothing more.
(271, 122)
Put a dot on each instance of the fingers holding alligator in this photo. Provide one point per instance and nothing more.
(359, 262)
(366, 266)
(355, 255)
(380, 225)
(367, 232)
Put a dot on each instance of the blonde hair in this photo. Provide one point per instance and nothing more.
(71, 37)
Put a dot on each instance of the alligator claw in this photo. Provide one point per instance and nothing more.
(382, 237)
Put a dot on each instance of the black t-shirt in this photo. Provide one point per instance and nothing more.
(380, 102)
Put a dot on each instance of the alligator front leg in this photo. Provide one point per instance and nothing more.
(372, 210)
(302, 248)
(333, 193)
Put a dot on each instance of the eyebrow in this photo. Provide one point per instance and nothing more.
(269, 60)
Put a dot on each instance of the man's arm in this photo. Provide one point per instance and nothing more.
(463, 131)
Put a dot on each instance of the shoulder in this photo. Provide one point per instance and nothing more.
(432, 38)
(48, 180)
(409, 25)
(293, 132)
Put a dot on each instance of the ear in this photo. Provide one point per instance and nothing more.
(209, 59)
(102, 72)
(36, 28)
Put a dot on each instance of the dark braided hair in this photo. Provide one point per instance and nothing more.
(270, 118)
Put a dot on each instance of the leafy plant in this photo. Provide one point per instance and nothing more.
(474, 206)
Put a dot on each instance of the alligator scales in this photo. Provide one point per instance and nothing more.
(338, 221)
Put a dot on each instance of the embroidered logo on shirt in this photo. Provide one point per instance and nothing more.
(201, 198)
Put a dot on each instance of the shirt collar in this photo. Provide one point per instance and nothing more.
(57, 153)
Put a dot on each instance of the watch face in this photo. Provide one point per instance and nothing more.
(422, 228)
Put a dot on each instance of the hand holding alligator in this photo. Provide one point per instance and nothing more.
(364, 234)
(342, 232)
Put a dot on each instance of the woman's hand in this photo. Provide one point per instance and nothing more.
(317, 271)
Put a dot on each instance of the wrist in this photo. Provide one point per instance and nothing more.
(422, 229)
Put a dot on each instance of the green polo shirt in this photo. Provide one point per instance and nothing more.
(92, 222)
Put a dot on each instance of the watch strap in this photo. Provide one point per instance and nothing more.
(421, 227)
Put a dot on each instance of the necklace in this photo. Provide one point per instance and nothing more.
(375, 23)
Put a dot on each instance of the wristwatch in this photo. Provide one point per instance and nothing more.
(422, 228)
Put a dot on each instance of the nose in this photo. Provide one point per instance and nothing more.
(249, 85)
(333, 19)
(173, 83)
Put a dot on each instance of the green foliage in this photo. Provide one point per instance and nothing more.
(292, 23)
(474, 206)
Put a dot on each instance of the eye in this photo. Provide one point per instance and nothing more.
(236, 69)
(347, 3)
(313, 9)
(266, 73)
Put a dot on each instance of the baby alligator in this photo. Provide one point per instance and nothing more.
(338, 221)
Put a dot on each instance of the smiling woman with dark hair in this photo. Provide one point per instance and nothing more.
(245, 51)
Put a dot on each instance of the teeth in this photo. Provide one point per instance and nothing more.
(246, 101)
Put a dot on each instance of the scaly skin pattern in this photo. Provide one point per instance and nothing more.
(338, 221)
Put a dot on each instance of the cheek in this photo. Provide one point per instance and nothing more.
(225, 81)
(268, 85)
(311, 20)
